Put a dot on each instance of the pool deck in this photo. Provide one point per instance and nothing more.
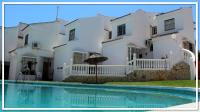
(55, 83)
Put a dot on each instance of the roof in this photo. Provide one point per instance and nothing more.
(36, 24)
(71, 22)
(120, 17)
(112, 40)
(41, 22)
(12, 50)
(8, 27)
(59, 46)
(169, 12)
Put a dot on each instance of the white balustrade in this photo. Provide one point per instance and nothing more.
(117, 70)
(149, 64)
(104, 70)
(189, 58)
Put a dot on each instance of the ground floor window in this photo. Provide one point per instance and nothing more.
(79, 57)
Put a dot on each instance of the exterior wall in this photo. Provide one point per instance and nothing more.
(10, 42)
(183, 22)
(137, 31)
(89, 33)
(91, 29)
(166, 46)
(16, 58)
(163, 45)
(46, 34)
(137, 27)
(116, 52)
(61, 55)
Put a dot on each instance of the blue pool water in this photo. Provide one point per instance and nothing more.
(43, 95)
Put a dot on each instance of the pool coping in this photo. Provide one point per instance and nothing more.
(104, 85)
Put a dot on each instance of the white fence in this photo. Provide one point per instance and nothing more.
(116, 70)
(102, 70)
(189, 58)
(148, 64)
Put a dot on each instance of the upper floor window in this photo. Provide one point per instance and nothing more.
(121, 30)
(26, 40)
(154, 30)
(110, 35)
(72, 34)
(169, 24)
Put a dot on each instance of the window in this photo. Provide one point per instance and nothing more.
(140, 56)
(72, 34)
(169, 24)
(26, 40)
(78, 58)
(110, 35)
(154, 30)
(151, 47)
(121, 30)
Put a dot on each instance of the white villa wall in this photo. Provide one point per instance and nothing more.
(166, 46)
(173, 42)
(116, 52)
(46, 34)
(10, 42)
(61, 55)
(89, 33)
(137, 27)
(183, 22)
(137, 31)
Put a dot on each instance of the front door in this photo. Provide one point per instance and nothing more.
(46, 71)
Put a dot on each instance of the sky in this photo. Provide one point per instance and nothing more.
(43, 13)
(40, 13)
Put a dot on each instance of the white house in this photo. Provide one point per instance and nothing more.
(82, 38)
(150, 35)
(129, 34)
(175, 30)
(10, 44)
(33, 49)
(139, 40)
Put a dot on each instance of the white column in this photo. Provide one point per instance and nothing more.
(192, 69)
(127, 65)
(170, 59)
(64, 70)
(71, 63)
(134, 61)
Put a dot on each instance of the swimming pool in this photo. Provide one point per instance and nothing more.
(61, 95)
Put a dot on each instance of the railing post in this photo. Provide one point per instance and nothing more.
(170, 60)
(127, 66)
(70, 68)
(64, 69)
(134, 61)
